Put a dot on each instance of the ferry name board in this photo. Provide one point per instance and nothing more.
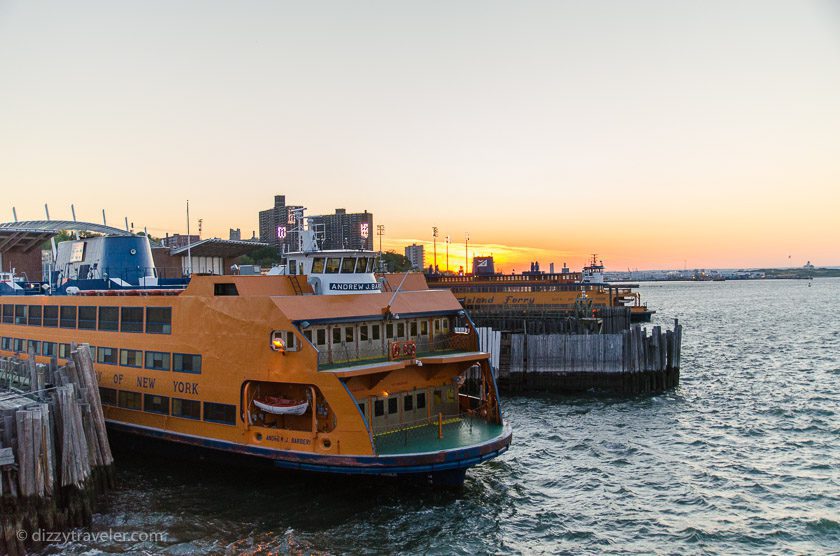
(343, 287)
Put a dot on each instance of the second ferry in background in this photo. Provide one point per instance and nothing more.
(538, 291)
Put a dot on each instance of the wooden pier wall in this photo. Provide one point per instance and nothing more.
(54, 451)
(631, 361)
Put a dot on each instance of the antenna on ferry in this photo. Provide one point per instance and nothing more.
(14, 213)
(104, 222)
(47, 210)
(126, 223)
(387, 309)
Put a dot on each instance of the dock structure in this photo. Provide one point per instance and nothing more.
(532, 356)
(54, 452)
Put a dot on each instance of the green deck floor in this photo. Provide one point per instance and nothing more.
(456, 434)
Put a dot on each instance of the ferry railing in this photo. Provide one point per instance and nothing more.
(352, 353)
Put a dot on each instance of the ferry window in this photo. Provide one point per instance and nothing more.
(424, 328)
(6, 343)
(157, 360)
(408, 402)
(188, 409)
(130, 400)
(33, 346)
(131, 358)
(308, 335)
(64, 353)
(321, 335)
(87, 318)
(159, 319)
(362, 407)
(318, 265)
(225, 289)
(361, 265)
(437, 325)
(389, 330)
(220, 413)
(348, 265)
(34, 315)
(421, 400)
(333, 264)
(375, 332)
(8, 314)
(291, 345)
(378, 408)
(336, 334)
(48, 349)
(363, 333)
(68, 317)
(371, 264)
(400, 329)
(413, 328)
(131, 319)
(17, 343)
(105, 355)
(348, 333)
(20, 314)
(393, 406)
(185, 363)
(438, 397)
(156, 404)
(108, 396)
(292, 268)
(109, 318)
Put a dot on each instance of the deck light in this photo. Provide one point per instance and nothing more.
(277, 343)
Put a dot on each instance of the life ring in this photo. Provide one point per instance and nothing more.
(411, 349)
(395, 350)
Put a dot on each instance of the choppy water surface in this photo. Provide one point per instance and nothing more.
(742, 458)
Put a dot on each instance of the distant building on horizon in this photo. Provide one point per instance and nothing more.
(416, 255)
(235, 234)
(344, 231)
(277, 223)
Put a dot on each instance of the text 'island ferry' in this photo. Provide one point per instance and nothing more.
(320, 367)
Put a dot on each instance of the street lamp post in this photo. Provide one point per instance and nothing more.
(380, 231)
(448, 241)
(434, 248)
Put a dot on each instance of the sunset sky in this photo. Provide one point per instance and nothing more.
(658, 134)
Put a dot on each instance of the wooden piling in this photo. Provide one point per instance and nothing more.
(54, 452)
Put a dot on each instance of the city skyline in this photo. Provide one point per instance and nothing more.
(657, 135)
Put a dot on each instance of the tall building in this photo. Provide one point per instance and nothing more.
(415, 254)
(344, 231)
(277, 223)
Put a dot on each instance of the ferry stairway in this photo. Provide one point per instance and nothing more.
(296, 284)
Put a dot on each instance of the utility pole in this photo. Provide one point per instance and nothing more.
(189, 251)
(434, 243)
(466, 252)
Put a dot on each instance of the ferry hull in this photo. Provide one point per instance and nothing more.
(641, 316)
(446, 468)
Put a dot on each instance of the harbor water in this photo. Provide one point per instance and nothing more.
(741, 458)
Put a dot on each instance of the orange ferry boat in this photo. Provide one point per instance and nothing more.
(315, 368)
(568, 292)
